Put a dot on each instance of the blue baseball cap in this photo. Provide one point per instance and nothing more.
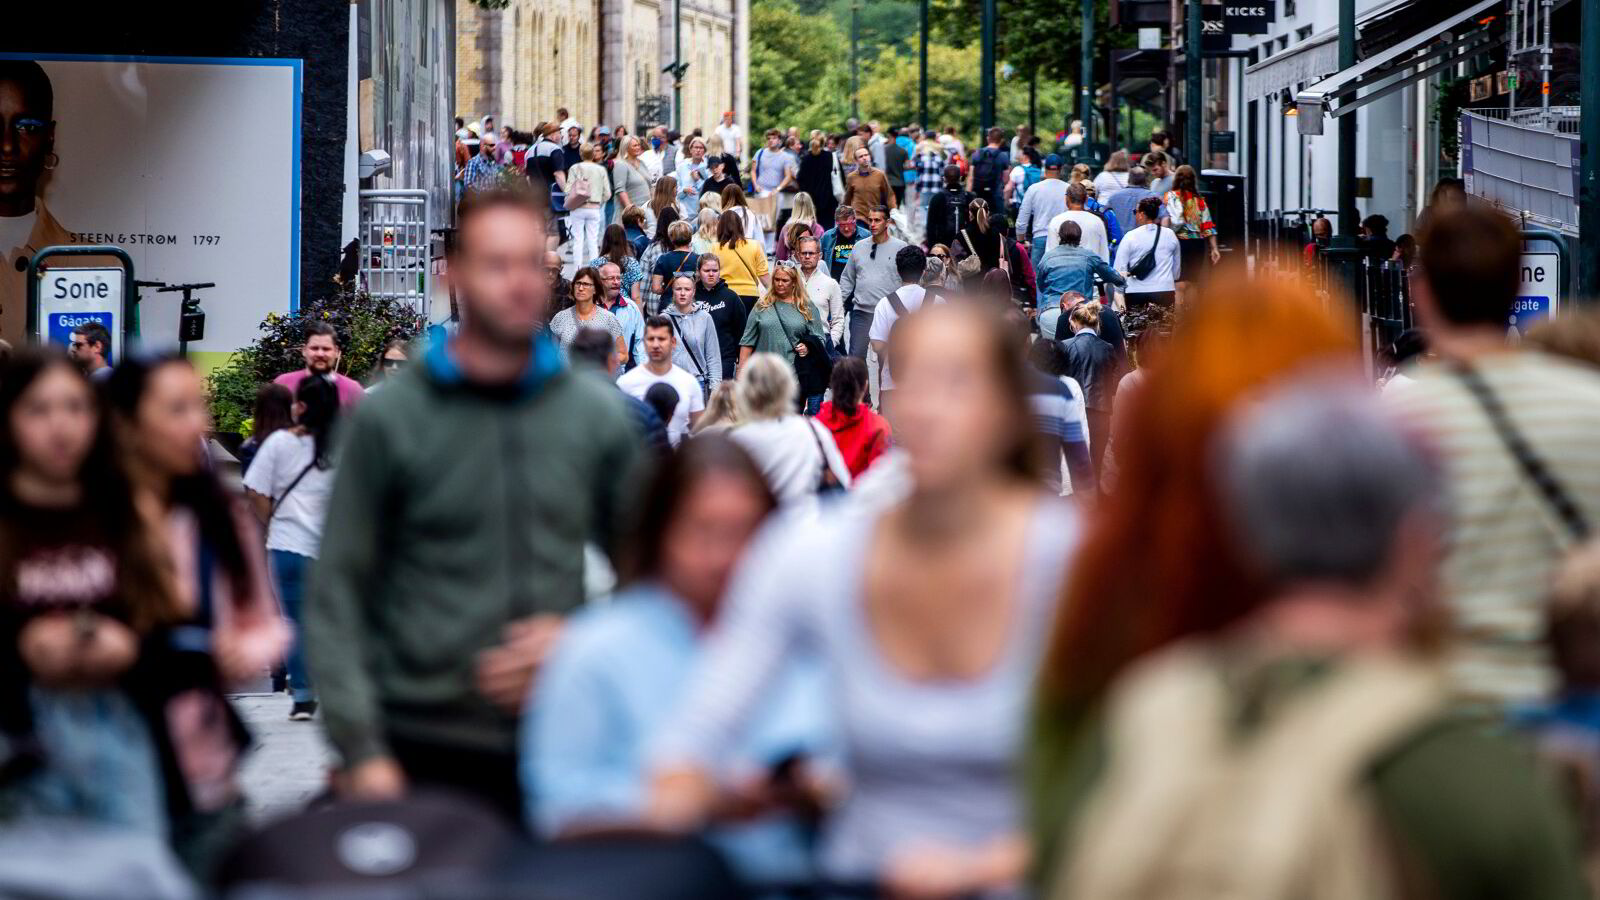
(1053, 161)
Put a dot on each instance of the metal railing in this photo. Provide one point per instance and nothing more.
(396, 245)
(1559, 119)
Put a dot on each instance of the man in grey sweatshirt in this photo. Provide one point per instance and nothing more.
(869, 276)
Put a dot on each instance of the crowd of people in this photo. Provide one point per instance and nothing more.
(931, 558)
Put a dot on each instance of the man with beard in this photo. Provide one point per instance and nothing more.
(321, 353)
(454, 547)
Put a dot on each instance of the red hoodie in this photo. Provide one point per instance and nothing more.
(861, 437)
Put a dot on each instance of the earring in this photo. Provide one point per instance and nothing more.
(51, 161)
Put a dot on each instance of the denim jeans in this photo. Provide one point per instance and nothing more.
(289, 572)
(1037, 251)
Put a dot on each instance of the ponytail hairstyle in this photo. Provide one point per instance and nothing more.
(1085, 314)
(978, 212)
(319, 410)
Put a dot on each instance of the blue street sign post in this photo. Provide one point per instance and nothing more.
(62, 299)
(1542, 280)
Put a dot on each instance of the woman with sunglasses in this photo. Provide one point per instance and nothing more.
(389, 365)
(586, 312)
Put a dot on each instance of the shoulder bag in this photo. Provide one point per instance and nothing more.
(700, 369)
(1528, 460)
(278, 503)
(827, 482)
(1146, 264)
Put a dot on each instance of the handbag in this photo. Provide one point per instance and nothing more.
(827, 482)
(578, 192)
(838, 180)
(971, 264)
(1146, 264)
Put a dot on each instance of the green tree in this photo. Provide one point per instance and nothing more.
(889, 92)
(799, 68)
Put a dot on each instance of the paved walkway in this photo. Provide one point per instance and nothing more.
(288, 766)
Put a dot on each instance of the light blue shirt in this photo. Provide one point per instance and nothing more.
(690, 176)
(1071, 268)
(616, 678)
(632, 321)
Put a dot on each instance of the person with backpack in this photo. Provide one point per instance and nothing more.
(947, 212)
(987, 174)
(1023, 176)
(909, 263)
(1149, 258)
(288, 485)
(1304, 746)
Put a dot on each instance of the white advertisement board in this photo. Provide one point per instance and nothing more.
(191, 166)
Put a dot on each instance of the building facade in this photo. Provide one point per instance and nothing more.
(602, 60)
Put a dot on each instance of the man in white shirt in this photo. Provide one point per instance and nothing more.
(821, 288)
(655, 155)
(659, 342)
(731, 135)
(1094, 229)
(909, 262)
(1158, 284)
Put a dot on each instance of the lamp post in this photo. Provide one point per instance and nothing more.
(1589, 175)
(1086, 73)
(1348, 215)
(922, 74)
(855, 57)
(986, 87)
(1193, 74)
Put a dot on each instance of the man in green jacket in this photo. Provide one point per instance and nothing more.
(454, 542)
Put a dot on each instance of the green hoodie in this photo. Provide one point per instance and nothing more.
(457, 510)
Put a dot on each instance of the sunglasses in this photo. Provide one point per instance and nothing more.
(940, 255)
(390, 365)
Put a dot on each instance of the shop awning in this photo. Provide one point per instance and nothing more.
(1318, 56)
(1453, 39)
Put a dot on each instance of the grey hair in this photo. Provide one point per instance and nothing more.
(1138, 176)
(766, 387)
(933, 271)
(1315, 481)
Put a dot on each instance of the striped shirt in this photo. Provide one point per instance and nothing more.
(1505, 542)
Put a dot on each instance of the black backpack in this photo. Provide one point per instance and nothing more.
(985, 167)
(954, 211)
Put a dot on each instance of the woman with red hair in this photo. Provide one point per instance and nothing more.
(1155, 566)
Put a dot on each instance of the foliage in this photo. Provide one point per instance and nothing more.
(952, 87)
(1041, 36)
(800, 62)
(365, 324)
(1449, 100)
(799, 73)
(491, 4)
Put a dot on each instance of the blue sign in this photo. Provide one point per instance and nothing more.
(59, 327)
(1528, 311)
